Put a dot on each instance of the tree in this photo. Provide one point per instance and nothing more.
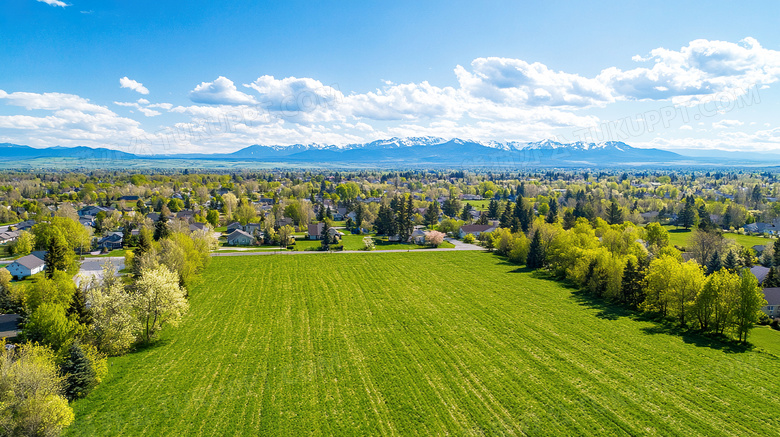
(731, 263)
(23, 244)
(749, 303)
(631, 289)
(212, 217)
(432, 214)
(686, 282)
(536, 252)
(5, 291)
(552, 214)
(659, 279)
(703, 244)
(285, 235)
(656, 235)
(492, 212)
(434, 238)
(31, 403)
(714, 264)
(615, 214)
(58, 256)
(687, 216)
(158, 299)
(245, 213)
(80, 377)
(771, 279)
(161, 228)
(506, 217)
(113, 322)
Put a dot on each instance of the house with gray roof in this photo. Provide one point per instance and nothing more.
(240, 238)
(772, 307)
(26, 266)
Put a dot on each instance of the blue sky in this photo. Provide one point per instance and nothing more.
(164, 77)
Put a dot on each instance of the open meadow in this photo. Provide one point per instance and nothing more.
(423, 343)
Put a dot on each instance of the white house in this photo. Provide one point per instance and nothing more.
(26, 266)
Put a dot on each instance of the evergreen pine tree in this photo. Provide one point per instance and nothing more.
(776, 252)
(731, 263)
(552, 214)
(614, 215)
(78, 371)
(714, 264)
(535, 258)
(161, 229)
(569, 220)
(506, 217)
(58, 256)
(432, 214)
(771, 279)
(78, 307)
(492, 212)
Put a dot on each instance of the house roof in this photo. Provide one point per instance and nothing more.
(238, 233)
(476, 228)
(316, 229)
(30, 261)
(772, 295)
(759, 272)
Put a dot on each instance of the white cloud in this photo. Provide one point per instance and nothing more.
(515, 82)
(726, 124)
(405, 102)
(137, 105)
(54, 3)
(703, 67)
(293, 94)
(220, 92)
(125, 82)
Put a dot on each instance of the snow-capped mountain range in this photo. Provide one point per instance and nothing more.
(401, 152)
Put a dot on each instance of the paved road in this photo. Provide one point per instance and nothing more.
(459, 246)
(94, 267)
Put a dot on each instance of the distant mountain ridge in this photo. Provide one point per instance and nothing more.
(411, 151)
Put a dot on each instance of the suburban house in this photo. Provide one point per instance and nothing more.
(93, 210)
(418, 236)
(129, 198)
(315, 231)
(339, 214)
(334, 233)
(772, 296)
(186, 215)
(763, 228)
(234, 226)
(475, 230)
(25, 225)
(759, 249)
(26, 266)
(8, 236)
(197, 227)
(285, 221)
(251, 228)
(759, 272)
(240, 238)
(153, 216)
(111, 241)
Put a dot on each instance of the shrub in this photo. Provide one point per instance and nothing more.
(469, 238)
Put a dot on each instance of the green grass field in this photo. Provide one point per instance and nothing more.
(679, 237)
(423, 343)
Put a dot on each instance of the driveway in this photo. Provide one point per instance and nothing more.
(94, 267)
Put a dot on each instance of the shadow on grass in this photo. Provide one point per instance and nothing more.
(150, 346)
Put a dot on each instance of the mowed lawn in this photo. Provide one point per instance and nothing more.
(680, 236)
(422, 343)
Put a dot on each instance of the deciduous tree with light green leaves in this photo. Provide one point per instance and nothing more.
(158, 299)
(31, 401)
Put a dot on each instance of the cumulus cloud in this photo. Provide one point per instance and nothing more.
(220, 92)
(293, 94)
(703, 67)
(126, 82)
(405, 102)
(54, 3)
(516, 82)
